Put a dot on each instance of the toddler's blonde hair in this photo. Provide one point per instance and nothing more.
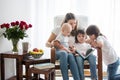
(67, 27)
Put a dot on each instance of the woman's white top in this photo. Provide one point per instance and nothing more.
(56, 30)
(108, 53)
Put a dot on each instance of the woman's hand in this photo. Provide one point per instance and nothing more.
(57, 44)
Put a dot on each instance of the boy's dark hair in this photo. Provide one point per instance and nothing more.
(93, 29)
(80, 31)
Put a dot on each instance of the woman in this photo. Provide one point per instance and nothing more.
(64, 57)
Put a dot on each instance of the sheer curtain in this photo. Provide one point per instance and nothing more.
(43, 13)
(116, 26)
(104, 13)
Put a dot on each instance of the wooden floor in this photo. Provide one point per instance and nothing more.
(70, 78)
(58, 75)
(86, 73)
(59, 78)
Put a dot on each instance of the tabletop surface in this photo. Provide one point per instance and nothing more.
(13, 53)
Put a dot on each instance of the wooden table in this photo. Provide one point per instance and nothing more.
(27, 62)
(19, 59)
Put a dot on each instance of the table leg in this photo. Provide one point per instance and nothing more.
(26, 68)
(19, 68)
(2, 68)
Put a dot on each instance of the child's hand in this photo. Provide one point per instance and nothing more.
(64, 48)
(94, 44)
(72, 49)
(88, 41)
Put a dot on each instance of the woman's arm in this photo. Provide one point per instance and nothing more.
(50, 39)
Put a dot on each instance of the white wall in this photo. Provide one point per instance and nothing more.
(11, 11)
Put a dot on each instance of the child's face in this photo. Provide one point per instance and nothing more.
(81, 38)
(92, 37)
(66, 29)
(66, 32)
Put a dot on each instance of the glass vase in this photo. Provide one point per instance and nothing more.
(15, 45)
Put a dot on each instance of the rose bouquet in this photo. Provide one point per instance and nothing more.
(15, 31)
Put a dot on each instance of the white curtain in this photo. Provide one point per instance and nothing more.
(116, 32)
(43, 13)
(104, 13)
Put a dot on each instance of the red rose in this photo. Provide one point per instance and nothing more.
(13, 23)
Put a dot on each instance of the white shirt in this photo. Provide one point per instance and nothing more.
(82, 47)
(56, 31)
(108, 53)
(63, 40)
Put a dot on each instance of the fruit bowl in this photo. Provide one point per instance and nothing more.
(36, 53)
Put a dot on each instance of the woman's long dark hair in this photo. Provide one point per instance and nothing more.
(70, 16)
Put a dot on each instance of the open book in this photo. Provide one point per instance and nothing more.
(88, 52)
